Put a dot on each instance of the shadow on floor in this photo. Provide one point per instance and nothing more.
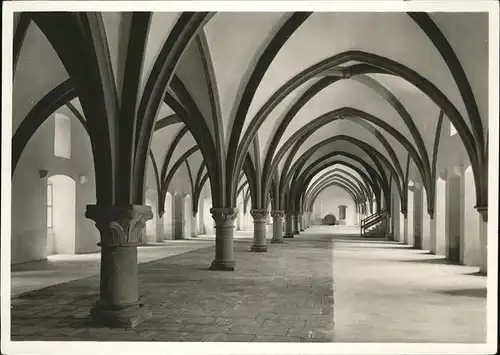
(476, 273)
(467, 292)
(431, 261)
(382, 246)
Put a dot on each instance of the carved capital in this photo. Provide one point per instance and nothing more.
(430, 211)
(259, 215)
(277, 214)
(224, 217)
(119, 225)
(483, 211)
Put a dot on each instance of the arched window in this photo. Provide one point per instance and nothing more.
(62, 136)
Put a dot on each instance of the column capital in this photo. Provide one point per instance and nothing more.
(259, 215)
(119, 225)
(483, 211)
(277, 214)
(224, 216)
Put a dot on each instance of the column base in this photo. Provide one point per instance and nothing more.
(296, 233)
(288, 236)
(258, 248)
(222, 265)
(277, 241)
(116, 317)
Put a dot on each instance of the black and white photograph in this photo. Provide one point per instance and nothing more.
(249, 177)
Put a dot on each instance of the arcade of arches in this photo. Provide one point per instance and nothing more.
(255, 139)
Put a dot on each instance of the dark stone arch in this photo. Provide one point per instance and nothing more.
(156, 173)
(246, 200)
(344, 180)
(375, 176)
(449, 56)
(183, 32)
(435, 150)
(50, 103)
(242, 186)
(170, 175)
(194, 207)
(250, 173)
(193, 119)
(199, 188)
(255, 78)
(21, 27)
(383, 65)
(312, 126)
(311, 199)
(368, 186)
(362, 188)
(213, 92)
(399, 108)
(80, 61)
(167, 121)
(373, 154)
(354, 72)
(171, 149)
(337, 177)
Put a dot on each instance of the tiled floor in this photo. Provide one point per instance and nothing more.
(389, 292)
(384, 292)
(285, 294)
(63, 268)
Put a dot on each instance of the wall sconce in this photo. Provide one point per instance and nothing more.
(83, 179)
(43, 173)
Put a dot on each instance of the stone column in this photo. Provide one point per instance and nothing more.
(288, 226)
(277, 227)
(405, 238)
(433, 232)
(483, 240)
(300, 225)
(121, 230)
(194, 225)
(178, 217)
(259, 229)
(295, 220)
(160, 229)
(224, 232)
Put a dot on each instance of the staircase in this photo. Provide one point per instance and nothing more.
(375, 226)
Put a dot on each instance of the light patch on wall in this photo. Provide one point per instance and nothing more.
(453, 131)
(62, 136)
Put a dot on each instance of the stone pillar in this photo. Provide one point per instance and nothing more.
(405, 238)
(224, 232)
(483, 240)
(277, 227)
(300, 225)
(288, 226)
(160, 229)
(121, 230)
(194, 225)
(296, 228)
(239, 222)
(433, 237)
(178, 217)
(259, 229)
(417, 218)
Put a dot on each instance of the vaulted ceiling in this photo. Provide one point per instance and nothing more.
(288, 89)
